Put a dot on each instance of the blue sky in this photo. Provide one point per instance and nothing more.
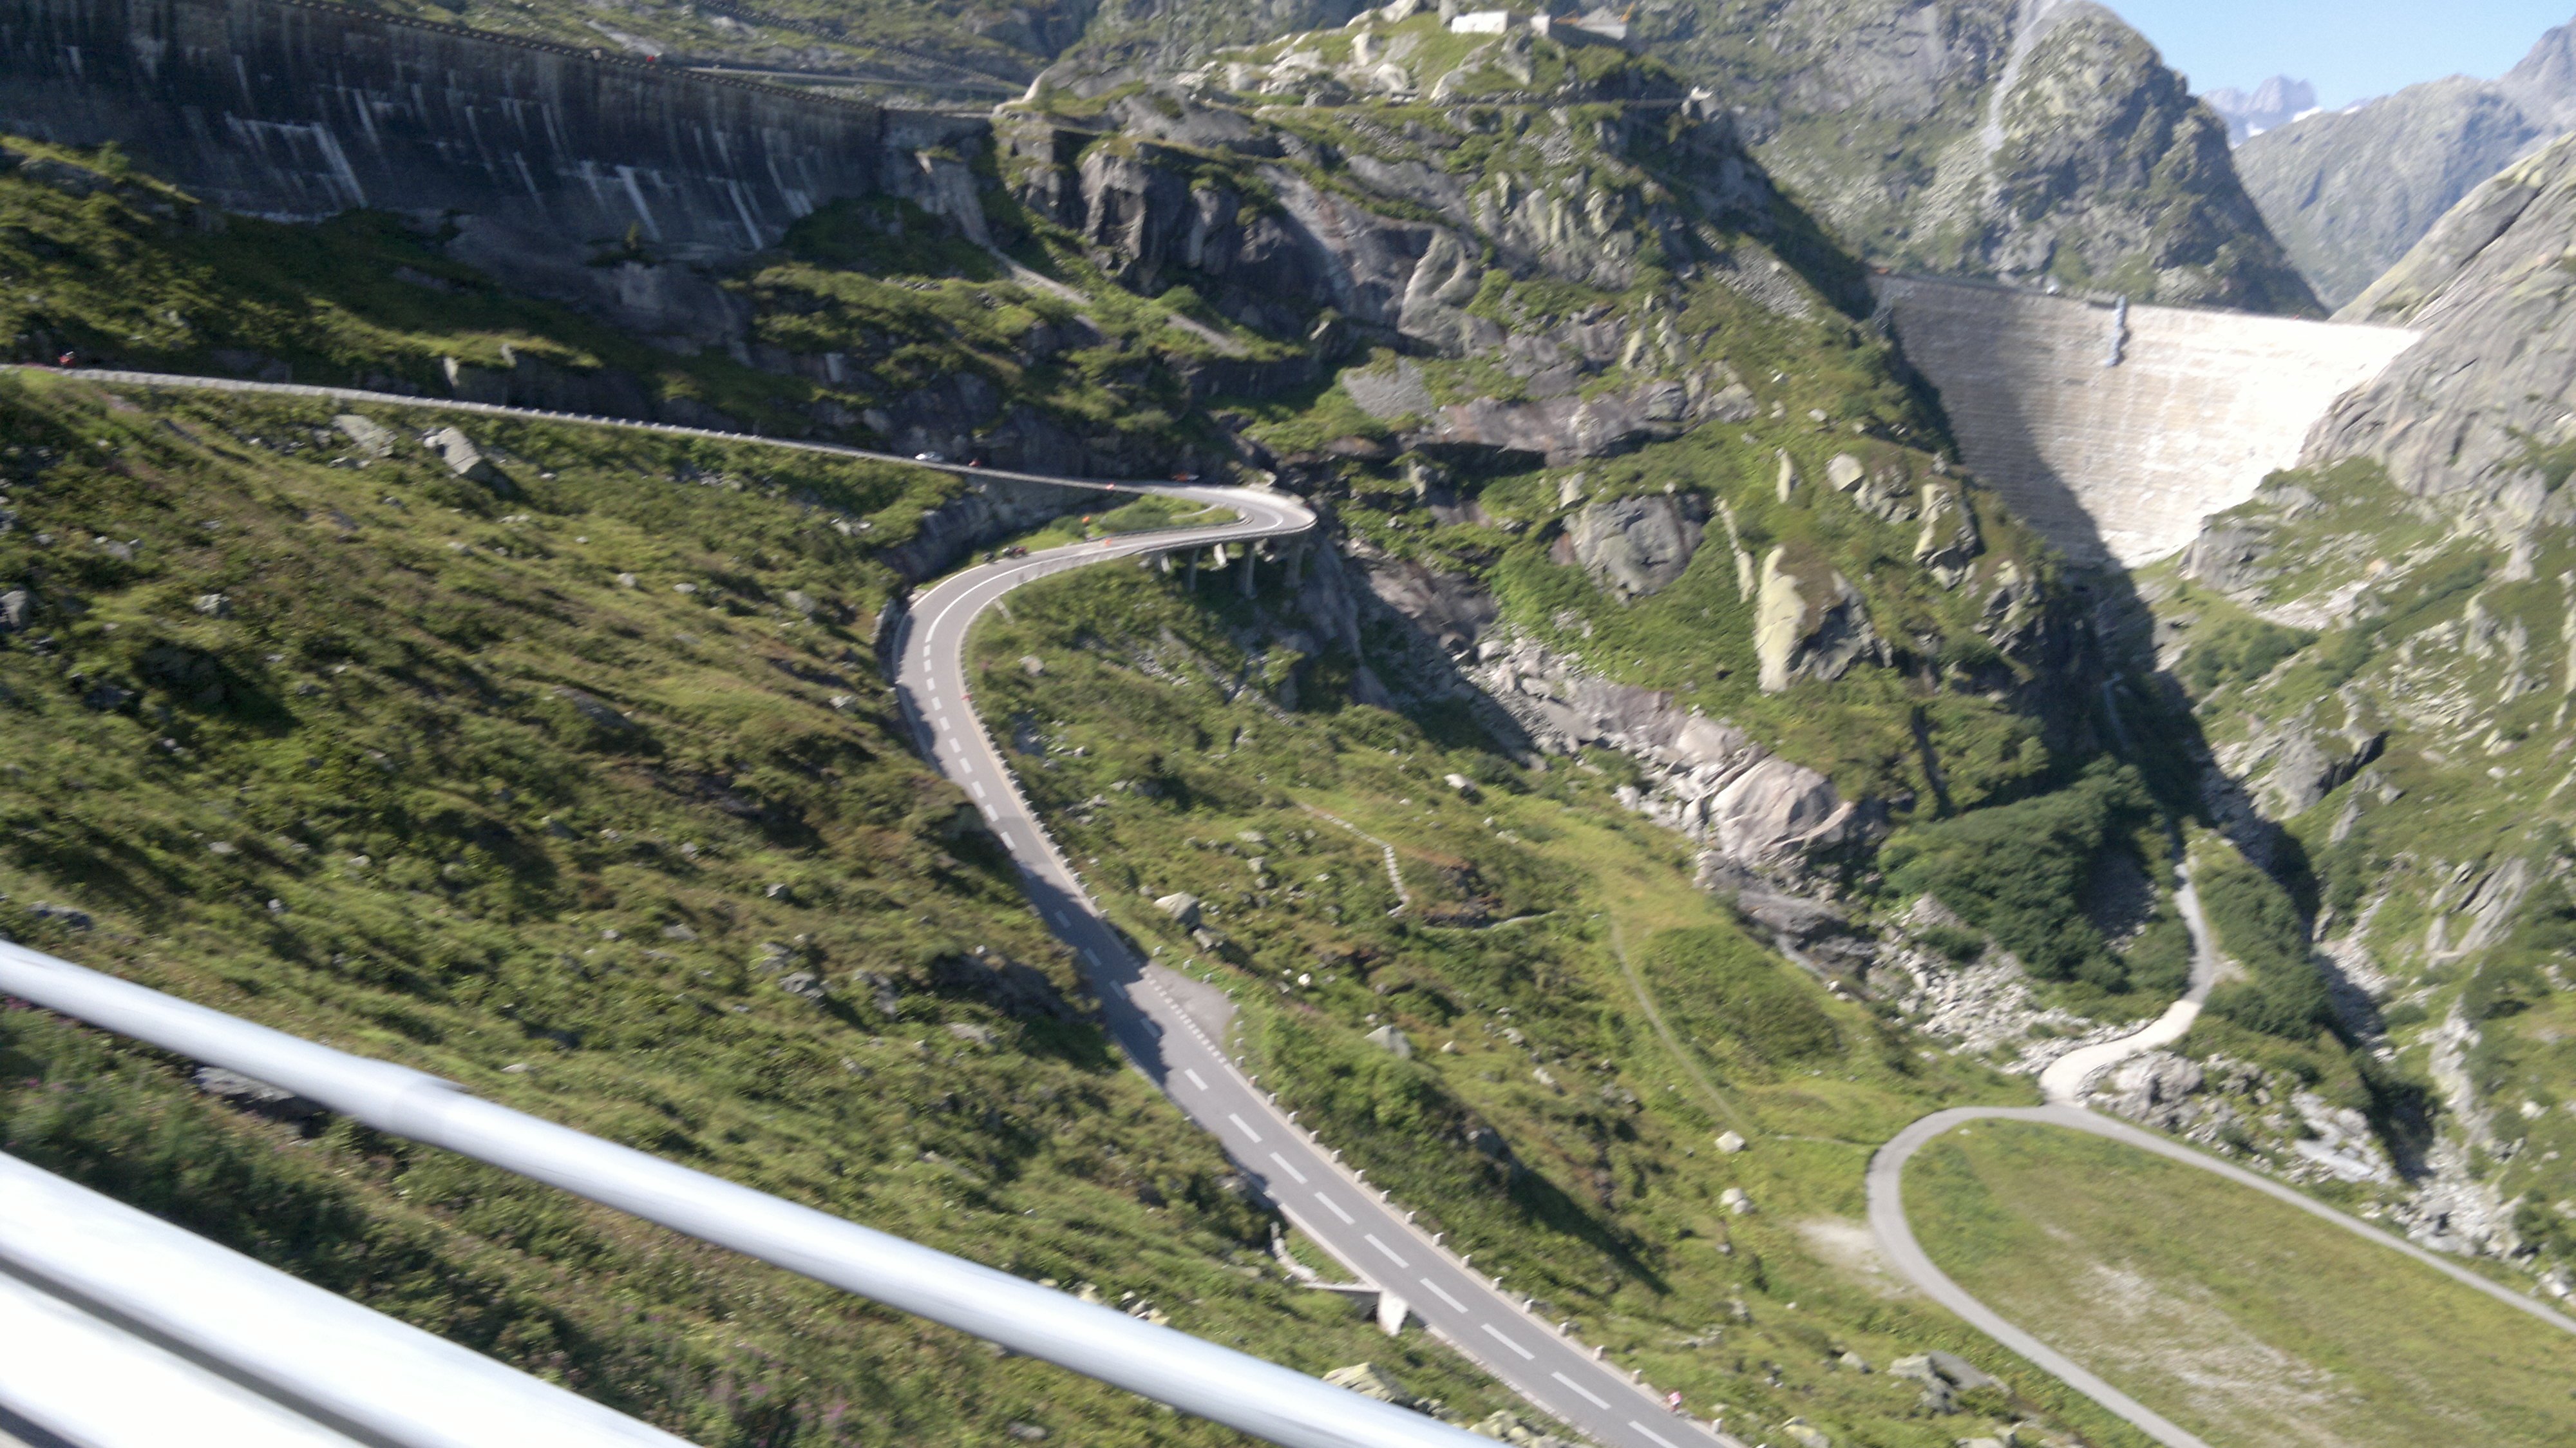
(2352, 49)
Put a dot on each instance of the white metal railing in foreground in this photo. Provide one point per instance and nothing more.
(90, 1289)
(1240, 1391)
(82, 1381)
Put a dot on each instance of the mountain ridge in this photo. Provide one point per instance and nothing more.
(2348, 192)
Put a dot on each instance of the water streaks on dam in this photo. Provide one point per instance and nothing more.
(2114, 430)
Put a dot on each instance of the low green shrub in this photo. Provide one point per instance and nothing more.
(2257, 923)
(2159, 960)
(1959, 945)
(2239, 651)
(2021, 872)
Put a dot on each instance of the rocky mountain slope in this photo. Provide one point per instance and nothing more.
(2018, 139)
(2474, 414)
(1799, 637)
(1586, 341)
(1749, 780)
(1636, 527)
(2378, 647)
(2024, 139)
(2349, 193)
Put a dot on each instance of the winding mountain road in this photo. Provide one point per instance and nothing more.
(1168, 1024)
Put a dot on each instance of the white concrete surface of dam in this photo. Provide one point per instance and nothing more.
(2114, 430)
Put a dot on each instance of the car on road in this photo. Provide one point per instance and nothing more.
(929, 457)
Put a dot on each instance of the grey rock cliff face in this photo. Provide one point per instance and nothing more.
(1704, 777)
(307, 111)
(2469, 415)
(2348, 193)
(1991, 138)
(1397, 250)
(1636, 546)
(2102, 170)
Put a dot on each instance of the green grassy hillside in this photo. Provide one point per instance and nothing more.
(1541, 1119)
(2243, 1319)
(581, 788)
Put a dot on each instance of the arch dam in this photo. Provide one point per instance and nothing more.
(2115, 429)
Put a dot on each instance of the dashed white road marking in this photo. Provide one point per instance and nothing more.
(1589, 1396)
(1063, 920)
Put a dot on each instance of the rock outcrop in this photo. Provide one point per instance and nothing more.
(1636, 546)
(989, 511)
(1949, 543)
(1706, 778)
(1813, 625)
(2474, 414)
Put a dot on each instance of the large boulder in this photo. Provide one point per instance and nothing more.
(1774, 811)
(1392, 1041)
(2307, 766)
(1517, 1431)
(1370, 1381)
(1635, 547)
(1948, 545)
(1807, 627)
(462, 457)
(370, 436)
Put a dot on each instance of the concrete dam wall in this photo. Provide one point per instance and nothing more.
(297, 110)
(2113, 430)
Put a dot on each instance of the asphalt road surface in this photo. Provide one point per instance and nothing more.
(1175, 1045)
(1170, 1025)
(1177, 1051)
